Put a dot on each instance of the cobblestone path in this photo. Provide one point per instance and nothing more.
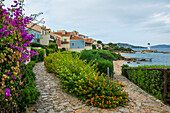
(53, 99)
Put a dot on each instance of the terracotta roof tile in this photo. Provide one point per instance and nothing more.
(81, 35)
(35, 27)
(61, 34)
(76, 38)
(88, 42)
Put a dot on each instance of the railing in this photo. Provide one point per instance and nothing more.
(165, 78)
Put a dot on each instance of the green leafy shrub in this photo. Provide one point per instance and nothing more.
(152, 81)
(103, 64)
(53, 46)
(61, 50)
(103, 58)
(39, 57)
(93, 46)
(30, 65)
(29, 94)
(80, 78)
(34, 44)
(89, 55)
(117, 56)
(49, 51)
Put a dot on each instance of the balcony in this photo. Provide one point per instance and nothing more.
(64, 42)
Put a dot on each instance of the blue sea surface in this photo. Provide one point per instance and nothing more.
(157, 58)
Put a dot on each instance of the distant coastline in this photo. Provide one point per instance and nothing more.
(143, 51)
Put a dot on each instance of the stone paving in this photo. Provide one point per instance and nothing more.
(53, 99)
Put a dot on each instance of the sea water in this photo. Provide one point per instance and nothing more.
(157, 58)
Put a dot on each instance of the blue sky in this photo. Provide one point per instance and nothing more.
(129, 21)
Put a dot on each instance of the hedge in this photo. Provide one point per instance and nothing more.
(152, 81)
(39, 57)
(34, 44)
(80, 78)
(102, 65)
(53, 46)
(102, 58)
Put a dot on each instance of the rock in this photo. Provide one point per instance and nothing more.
(124, 110)
(115, 112)
(48, 108)
(166, 108)
(147, 104)
(155, 112)
(81, 111)
(77, 107)
(41, 111)
(104, 111)
(51, 111)
(44, 93)
(62, 111)
(65, 103)
(95, 112)
(45, 99)
(136, 108)
(42, 106)
(44, 96)
(58, 109)
(55, 106)
(134, 111)
(138, 103)
(69, 109)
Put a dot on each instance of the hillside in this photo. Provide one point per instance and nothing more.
(161, 46)
(128, 45)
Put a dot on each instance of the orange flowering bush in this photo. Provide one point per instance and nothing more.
(83, 80)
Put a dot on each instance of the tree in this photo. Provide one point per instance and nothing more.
(112, 44)
(99, 42)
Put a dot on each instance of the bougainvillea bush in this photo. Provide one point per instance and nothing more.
(13, 54)
(83, 80)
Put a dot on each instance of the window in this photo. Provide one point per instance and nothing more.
(63, 33)
(45, 33)
(52, 37)
(42, 32)
(72, 43)
(65, 40)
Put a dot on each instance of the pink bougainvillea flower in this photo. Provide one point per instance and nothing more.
(7, 93)
(8, 73)
(14, 77)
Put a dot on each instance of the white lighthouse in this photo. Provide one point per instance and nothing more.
(149, 48)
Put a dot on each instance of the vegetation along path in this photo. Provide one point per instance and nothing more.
(53, 99)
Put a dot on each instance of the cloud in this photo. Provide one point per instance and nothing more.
(107, 20)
